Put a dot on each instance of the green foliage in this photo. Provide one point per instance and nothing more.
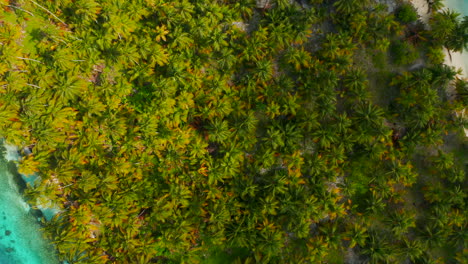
(449, 30)
(461, 87)
(406, 13)
(403, 53)
(444, 25)
(223, 132)
(435, 55)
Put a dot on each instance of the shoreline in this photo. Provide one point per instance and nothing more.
(457, 57)
(21, 239)
(457, 60)
(49, 211)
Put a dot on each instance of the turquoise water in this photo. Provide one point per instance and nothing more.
(460, 6)
(21, 241)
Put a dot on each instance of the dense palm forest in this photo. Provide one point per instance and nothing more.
(177, 131)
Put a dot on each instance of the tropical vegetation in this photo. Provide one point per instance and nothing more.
(243, 131)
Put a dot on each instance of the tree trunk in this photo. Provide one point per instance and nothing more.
(450, 55)
(429, 6)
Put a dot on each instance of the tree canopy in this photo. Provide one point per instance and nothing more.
(237, 131)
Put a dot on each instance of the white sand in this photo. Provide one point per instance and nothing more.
(457, 62)
(422, 7)
(457, 58)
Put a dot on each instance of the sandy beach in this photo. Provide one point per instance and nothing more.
(457, 58)
(421, 6)
(457, 62)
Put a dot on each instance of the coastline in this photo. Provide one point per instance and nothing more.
(323, 133)
(457, 58)
(457, 62)
(47, 209)
(21, 238)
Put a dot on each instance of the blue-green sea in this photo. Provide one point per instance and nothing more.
(21, 241)
(460, 6)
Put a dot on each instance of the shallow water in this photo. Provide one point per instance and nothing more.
(21, 241)
(459, 5)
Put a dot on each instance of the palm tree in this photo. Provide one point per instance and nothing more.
(459, 41)
(264, 70)
(442, 75)
(332, 235)
(227, 59)
(298, 57)
(447, 30)
(279, 36)
(275, 137)
(358, 23)
(255, 47)
(68, 88)
(401, 221)
(375, 203)
(8, 113)
(217, 40)
(330, 47)
(357, 235)
(434, 5)
(219, 131)
(28, 166)
(455, 175)
(443, 160)
(435, 193)
(349, 6)
(460, 233)
(326, 103)
(368, 116)
(377, 249)
(325, 136)
(343, 123)
(412, 249)
(462, 91)
(433, 235)
(355, 81)
(402, 172)
(86, 11)
(456, 195)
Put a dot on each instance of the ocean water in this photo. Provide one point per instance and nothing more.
(21, 240)
(460, 5)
